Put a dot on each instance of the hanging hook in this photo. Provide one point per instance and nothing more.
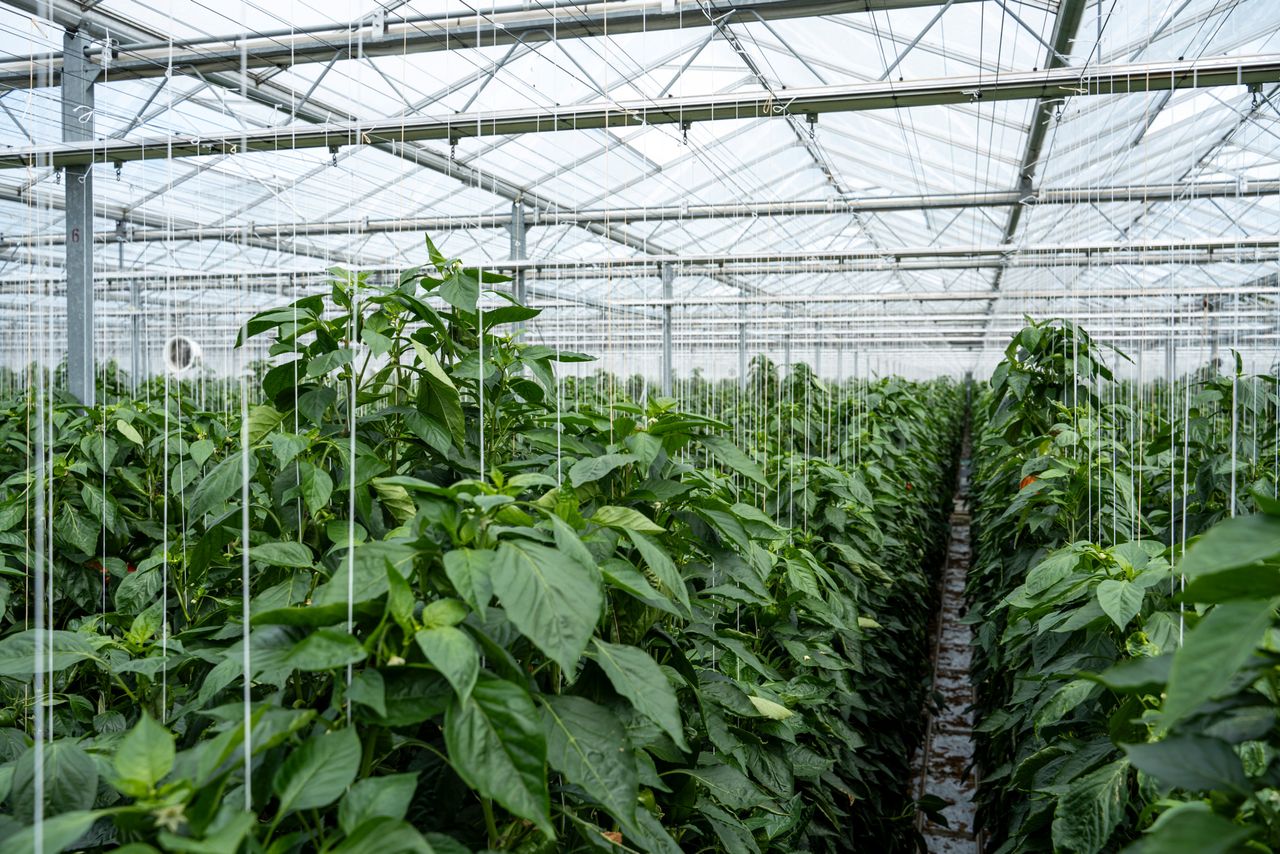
(684, 131)
(119, 169)
(333, 152)
(812, 119)
(453, 148)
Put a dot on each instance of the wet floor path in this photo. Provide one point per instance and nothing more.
(944, 759)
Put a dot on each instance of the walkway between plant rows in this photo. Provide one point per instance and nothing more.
(945, 758)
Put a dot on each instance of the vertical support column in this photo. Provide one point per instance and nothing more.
(78, 76)
(135, 315)
(519, 249)
(742, 345)
(668, 282)
(786, 345)
(1170, 361)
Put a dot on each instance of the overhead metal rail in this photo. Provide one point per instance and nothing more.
(808, 102)
(400, 35)
(1132, 194)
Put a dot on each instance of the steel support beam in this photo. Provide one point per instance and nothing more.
(1021, 85)
(77, 127)
(668, 281)
(263, 233)
(410, 34)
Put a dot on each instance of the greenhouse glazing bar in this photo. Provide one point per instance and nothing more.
(412, 34)
(1050, 83)
(1137, 194)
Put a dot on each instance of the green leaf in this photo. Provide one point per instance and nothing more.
(286, 553)
(375, 797)
(593, 468)
(470, 572)
(552, 599)
(145, 755)
(1212, 654)
(70, 780)
(1231, 543)
(734, 457)
(1193, 763)
(315, 486)
(1120, 600)
(627, 519)
(588, 745)
(460, 290)
(1191, 827)
(201, 450)
(385, 834)
(1064, 701)
(438, 397)
(367, 688)
(262, 420)
(325, 649)
(495, 743)
(221, 483)
(770, 709)
(61, 650)
(638, 677)
(1090, 809)
(454, 654)
(662, 566)
(59, 832)
(129, 432)
(317, 773)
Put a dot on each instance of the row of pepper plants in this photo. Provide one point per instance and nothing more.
(1126, 687)
(474, 619)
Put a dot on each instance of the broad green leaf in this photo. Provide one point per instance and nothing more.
(1193, 763)
(552, 599)
(262, 420)
(443, 612)
(729, 786)
(461, 290)
(129, 432)
(593, 468)
(1120, 600)
(452, 651)
(325, 649)
(627, 519)
(61, 649)
(495, 743)
(1212, 654)
(734, 457)
(438, 397)
(1090, 809)
(145, 756)
(1232, 543)
(770, 709)
(70, 780)
(367, 688)
(1191, 827)
(59, 832)
(317, 773)
(588, 745)
(224, 481)
(375, 797)
(1063, 701)
(201, 450)
(638, 677)
(226, 837)
(315, 486)
(470, 572)
(662, 566)
(382, 833)
(286, 553)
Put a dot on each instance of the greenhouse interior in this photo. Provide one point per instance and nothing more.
(640, 426)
